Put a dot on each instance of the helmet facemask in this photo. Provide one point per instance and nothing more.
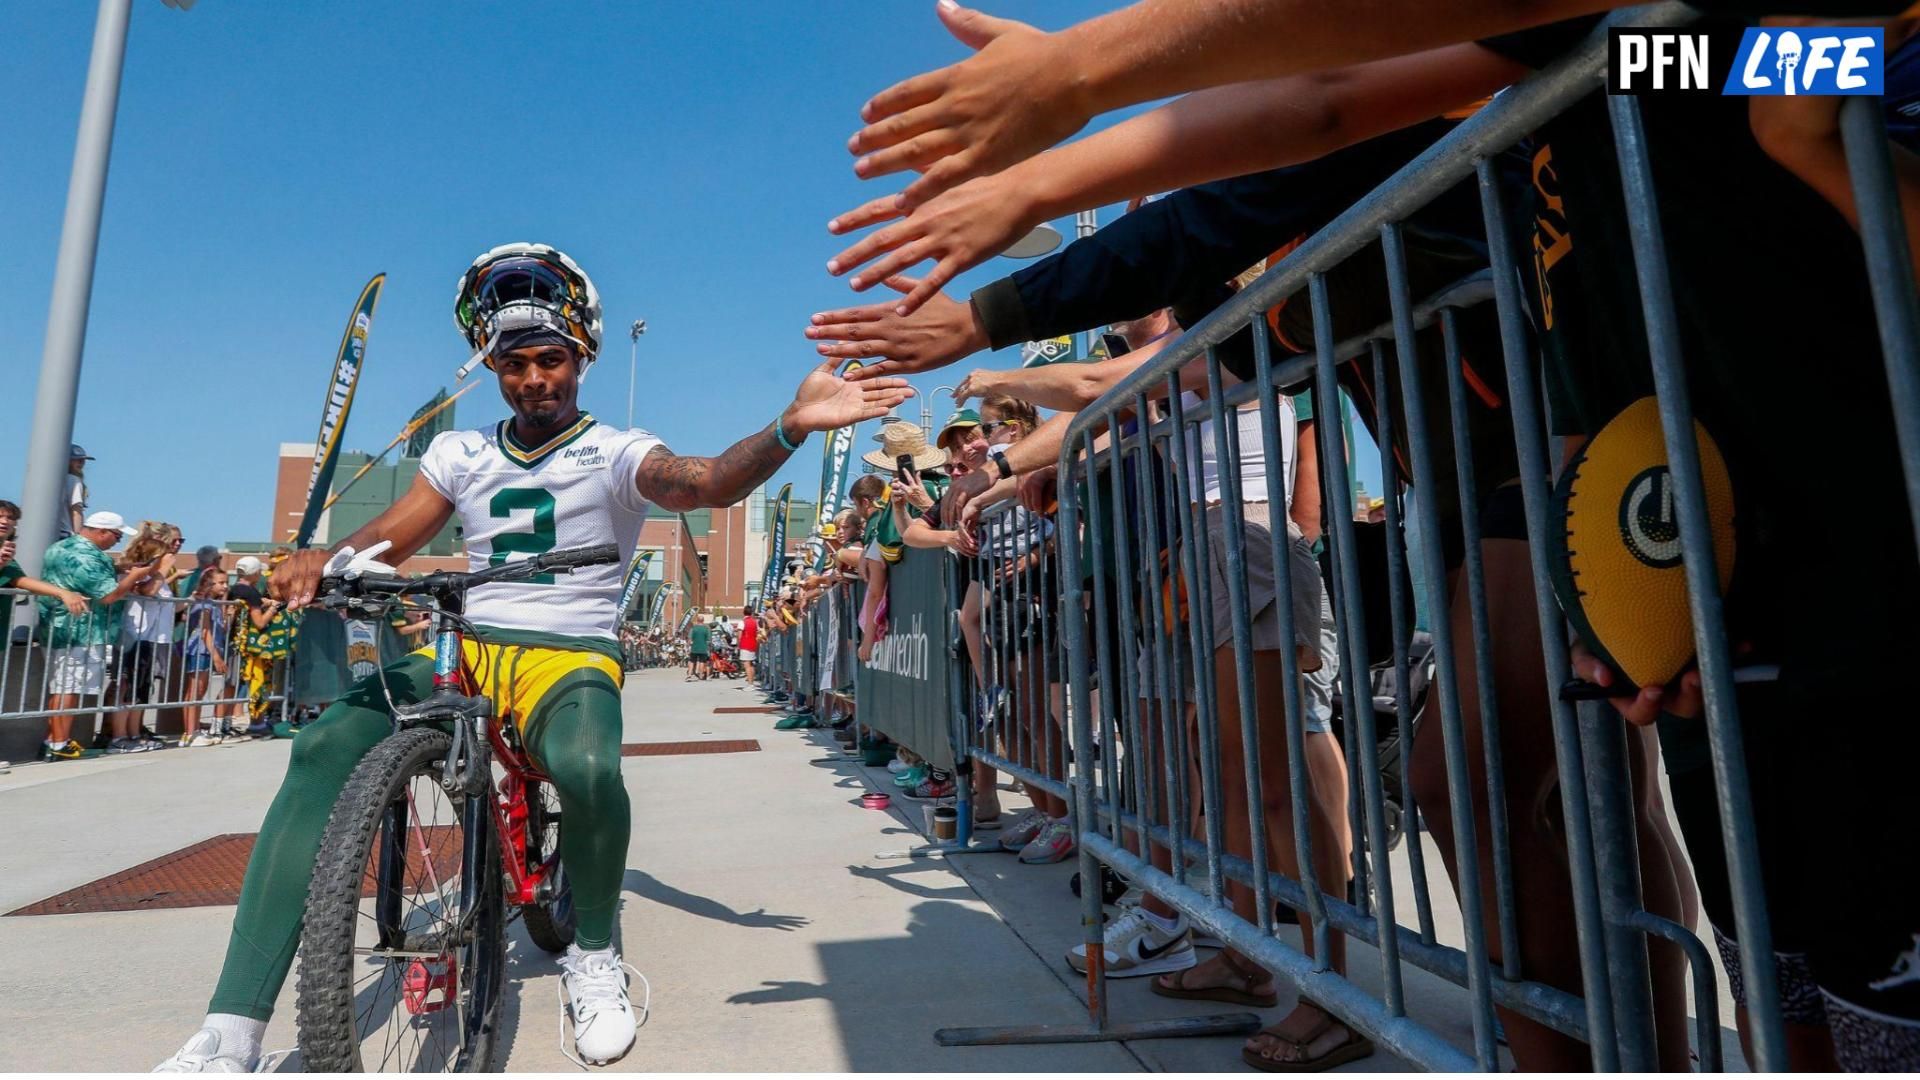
(526, 287)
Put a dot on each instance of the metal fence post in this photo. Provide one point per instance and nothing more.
(1703, 586)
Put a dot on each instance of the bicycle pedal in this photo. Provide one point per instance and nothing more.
(424, 979)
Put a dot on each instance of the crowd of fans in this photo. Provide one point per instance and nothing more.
(1288, 112)
(1290, 115)
(126, 620)
(707, 644)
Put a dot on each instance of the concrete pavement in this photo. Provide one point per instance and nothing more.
(758, 904)
(750, 907)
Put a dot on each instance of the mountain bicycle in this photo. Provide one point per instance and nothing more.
(429, 852)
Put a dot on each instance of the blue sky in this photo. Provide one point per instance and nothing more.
(269, 158)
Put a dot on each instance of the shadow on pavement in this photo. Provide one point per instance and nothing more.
(886, 1015)
(645, 885)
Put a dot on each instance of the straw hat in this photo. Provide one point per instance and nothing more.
(902, 437)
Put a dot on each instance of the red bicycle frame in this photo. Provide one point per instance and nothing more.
(509, 805)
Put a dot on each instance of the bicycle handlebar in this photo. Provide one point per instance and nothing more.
(342, 591)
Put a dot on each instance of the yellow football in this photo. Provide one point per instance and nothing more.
(1620, 578)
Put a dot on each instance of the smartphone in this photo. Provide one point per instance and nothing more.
(904, 470)
(1115, 345)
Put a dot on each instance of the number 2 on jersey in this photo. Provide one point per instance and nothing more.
(538, 540)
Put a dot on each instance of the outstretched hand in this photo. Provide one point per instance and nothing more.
(958, 229)
(1017, 95)
(942, 332)
(826, 400)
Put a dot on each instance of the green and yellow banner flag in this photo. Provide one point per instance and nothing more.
(636, 577)
(833, 477)
(347, 363)
(777, 544)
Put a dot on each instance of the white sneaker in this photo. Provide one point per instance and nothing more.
(203, 1053)
(203, 739)
(1135, 945)
(593, 987)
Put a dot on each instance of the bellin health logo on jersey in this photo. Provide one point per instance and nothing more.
(1770, 61)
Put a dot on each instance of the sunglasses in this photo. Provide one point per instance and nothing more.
(992, 426)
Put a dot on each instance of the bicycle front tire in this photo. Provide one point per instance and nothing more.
(345, 972)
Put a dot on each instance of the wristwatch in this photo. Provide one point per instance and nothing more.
(1000, 462)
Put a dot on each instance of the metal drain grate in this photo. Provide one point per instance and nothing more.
(698, 746)
(208, 874)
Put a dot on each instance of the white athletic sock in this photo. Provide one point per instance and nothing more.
(239, 1035)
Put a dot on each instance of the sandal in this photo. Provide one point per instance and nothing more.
(1174, 985)
(1297, 1051)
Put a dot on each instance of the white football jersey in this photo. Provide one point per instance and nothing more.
(513, 502)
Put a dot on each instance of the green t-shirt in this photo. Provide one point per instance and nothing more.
(9, 575)
(880, 527)
(275, 641)
(697, 637)
(76, 563)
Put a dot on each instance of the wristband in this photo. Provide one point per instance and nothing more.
(1000, 462)
(781, 434)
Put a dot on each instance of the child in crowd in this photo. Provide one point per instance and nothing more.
(146, 640)
(208, 624)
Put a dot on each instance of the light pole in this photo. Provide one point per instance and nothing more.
(49, 444)
(1042, 239)
(926, 410)
(633, 364)
(1085, 224)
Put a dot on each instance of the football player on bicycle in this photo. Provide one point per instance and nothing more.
(548, 477)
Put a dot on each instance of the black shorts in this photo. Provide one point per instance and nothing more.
(1828, 768)
(146, 662)
(1023, 616)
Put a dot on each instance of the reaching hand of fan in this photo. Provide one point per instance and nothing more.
(1019, 93)
(939, 332)
(958, 229)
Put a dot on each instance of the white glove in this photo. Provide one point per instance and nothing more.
(346, 563)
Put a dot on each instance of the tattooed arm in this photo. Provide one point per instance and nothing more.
(824, 402)
(673, 482)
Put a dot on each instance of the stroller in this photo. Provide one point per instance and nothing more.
(725, 660)
(1388, 741)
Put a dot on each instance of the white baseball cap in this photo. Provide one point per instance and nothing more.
(248, 565)
(107, 519)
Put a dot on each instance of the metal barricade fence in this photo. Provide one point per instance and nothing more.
(1163, 682)
(1010, 703)
(132, 657)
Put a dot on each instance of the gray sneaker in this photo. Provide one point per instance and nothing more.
(1053, 844)
(123, 746)
(1023, 830)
